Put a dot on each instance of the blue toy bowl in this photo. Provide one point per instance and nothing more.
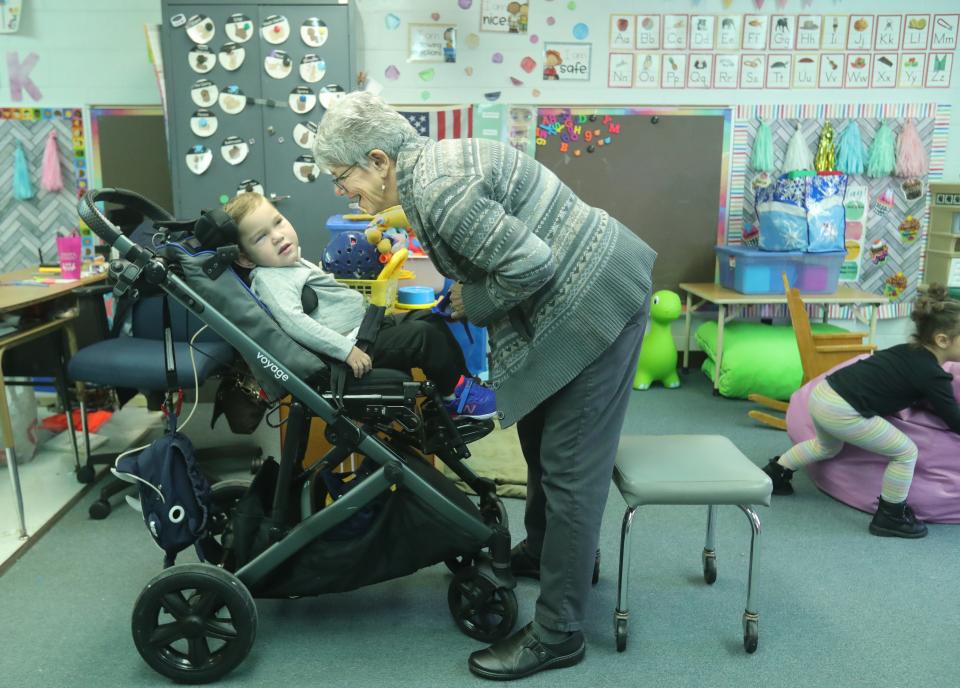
(415, 298)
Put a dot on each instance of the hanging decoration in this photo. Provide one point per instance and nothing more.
(825, 160)
(50, 176)
(851, 151)
(22, 189)
(912, 160)
(762, 158)
(798, 155)
(880, 157)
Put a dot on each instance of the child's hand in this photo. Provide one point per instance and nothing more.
(359, 362)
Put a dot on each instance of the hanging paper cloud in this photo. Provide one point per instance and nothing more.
(912, 160)
(392, 21)
(880, 157)
(851, 151)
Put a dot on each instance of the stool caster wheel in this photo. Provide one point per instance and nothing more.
(596, 570)
(256, 462)
(716, 392)
(460, 562)
(751, 634)
(620, 630)
(85, 474)
(709, 567)
(99, 510)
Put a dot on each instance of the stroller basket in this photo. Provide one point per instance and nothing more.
(285, 534)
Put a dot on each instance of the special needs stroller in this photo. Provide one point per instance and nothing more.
(279, 535)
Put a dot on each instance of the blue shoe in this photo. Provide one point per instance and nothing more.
(472, 400)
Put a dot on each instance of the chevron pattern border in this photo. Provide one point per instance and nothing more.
(932, 121)
(26, 226)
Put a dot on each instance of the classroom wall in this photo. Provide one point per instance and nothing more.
(94, 52)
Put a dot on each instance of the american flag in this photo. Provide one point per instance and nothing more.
(449, 123)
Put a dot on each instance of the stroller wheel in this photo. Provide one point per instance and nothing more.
(481, 609)
(224, 496)
(194, 623)
(458, 563)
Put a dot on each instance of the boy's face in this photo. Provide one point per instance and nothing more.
(267, 239)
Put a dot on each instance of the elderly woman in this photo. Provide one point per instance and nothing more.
(563, 289)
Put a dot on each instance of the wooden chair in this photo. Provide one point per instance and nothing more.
(818, 354)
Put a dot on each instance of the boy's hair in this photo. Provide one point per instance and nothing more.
(935, 313)
(242, 205)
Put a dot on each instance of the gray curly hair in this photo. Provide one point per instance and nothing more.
(356, 125)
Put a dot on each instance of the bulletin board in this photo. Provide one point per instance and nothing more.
(890, 260)
(32, 224)
(662, 172)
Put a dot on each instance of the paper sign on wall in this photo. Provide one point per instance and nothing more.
(505, 16)
(566, 62)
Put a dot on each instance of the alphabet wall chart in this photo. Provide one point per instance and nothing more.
(782, 51)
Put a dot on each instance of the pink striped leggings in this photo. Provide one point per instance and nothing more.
(836, 423)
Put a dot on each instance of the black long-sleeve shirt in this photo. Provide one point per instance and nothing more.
(895, 378)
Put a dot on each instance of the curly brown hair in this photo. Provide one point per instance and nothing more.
(935, 312)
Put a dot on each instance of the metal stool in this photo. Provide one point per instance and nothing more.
(688, 469)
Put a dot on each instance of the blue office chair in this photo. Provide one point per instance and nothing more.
(135, 362)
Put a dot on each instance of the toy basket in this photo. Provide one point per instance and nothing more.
(377, 292)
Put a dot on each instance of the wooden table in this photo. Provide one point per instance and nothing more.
(38, 302)
(728, 300)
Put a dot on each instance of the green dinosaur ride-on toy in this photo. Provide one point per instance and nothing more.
(658, 356)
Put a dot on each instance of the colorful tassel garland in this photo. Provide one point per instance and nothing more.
(880, 157)
(825, 160)
(21, 175)
(798, 155)
(912, 160)
(762, 158)
(50, 178)
(851, 151)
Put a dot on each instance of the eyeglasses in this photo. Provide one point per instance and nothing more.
(339, 178)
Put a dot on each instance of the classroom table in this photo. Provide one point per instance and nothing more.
(727, 302)
(41, 306)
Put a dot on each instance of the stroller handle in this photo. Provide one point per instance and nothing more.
(106, 230)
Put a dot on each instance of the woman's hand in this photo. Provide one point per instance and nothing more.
(359, 362)
(456, 302)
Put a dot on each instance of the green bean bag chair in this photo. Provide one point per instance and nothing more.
(757, 358)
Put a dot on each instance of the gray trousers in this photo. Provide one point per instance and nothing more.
(570, 444)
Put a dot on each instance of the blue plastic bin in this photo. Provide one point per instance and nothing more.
(336, 223)
(752, 271)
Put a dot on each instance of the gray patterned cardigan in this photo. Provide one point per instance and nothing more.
(553, 279)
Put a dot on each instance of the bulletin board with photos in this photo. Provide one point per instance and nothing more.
(782, 51)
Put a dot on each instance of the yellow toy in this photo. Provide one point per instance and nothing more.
(388, 232)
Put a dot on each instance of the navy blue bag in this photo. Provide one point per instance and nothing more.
(174, 493)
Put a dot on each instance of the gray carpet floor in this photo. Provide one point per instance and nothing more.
(838, 607)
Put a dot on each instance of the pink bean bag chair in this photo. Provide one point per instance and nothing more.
(854, 475)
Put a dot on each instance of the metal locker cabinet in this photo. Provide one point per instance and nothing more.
(266, 124)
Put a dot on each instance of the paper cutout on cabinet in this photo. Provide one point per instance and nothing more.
(251, 186)
(304, 134)
(234, 150)
(199, 158)
(204, 93)
(302, 100)
(330, 95)
(201, 59)
(312, 68)
(200, 29)
(313, 32)
(305, 169)
(203, 123)
(278, 64)
(239, 28)
(275, 29)
(231, 56)
(232, 100)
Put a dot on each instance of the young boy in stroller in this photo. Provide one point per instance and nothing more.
(278, 535)
(330, 322)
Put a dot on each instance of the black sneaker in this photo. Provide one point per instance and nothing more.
(780, 476)
(896, 520)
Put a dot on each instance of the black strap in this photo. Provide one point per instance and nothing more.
(170, 363)
(366, 334)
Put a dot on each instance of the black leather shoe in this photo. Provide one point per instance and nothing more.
(523, 655)
(522, 563)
